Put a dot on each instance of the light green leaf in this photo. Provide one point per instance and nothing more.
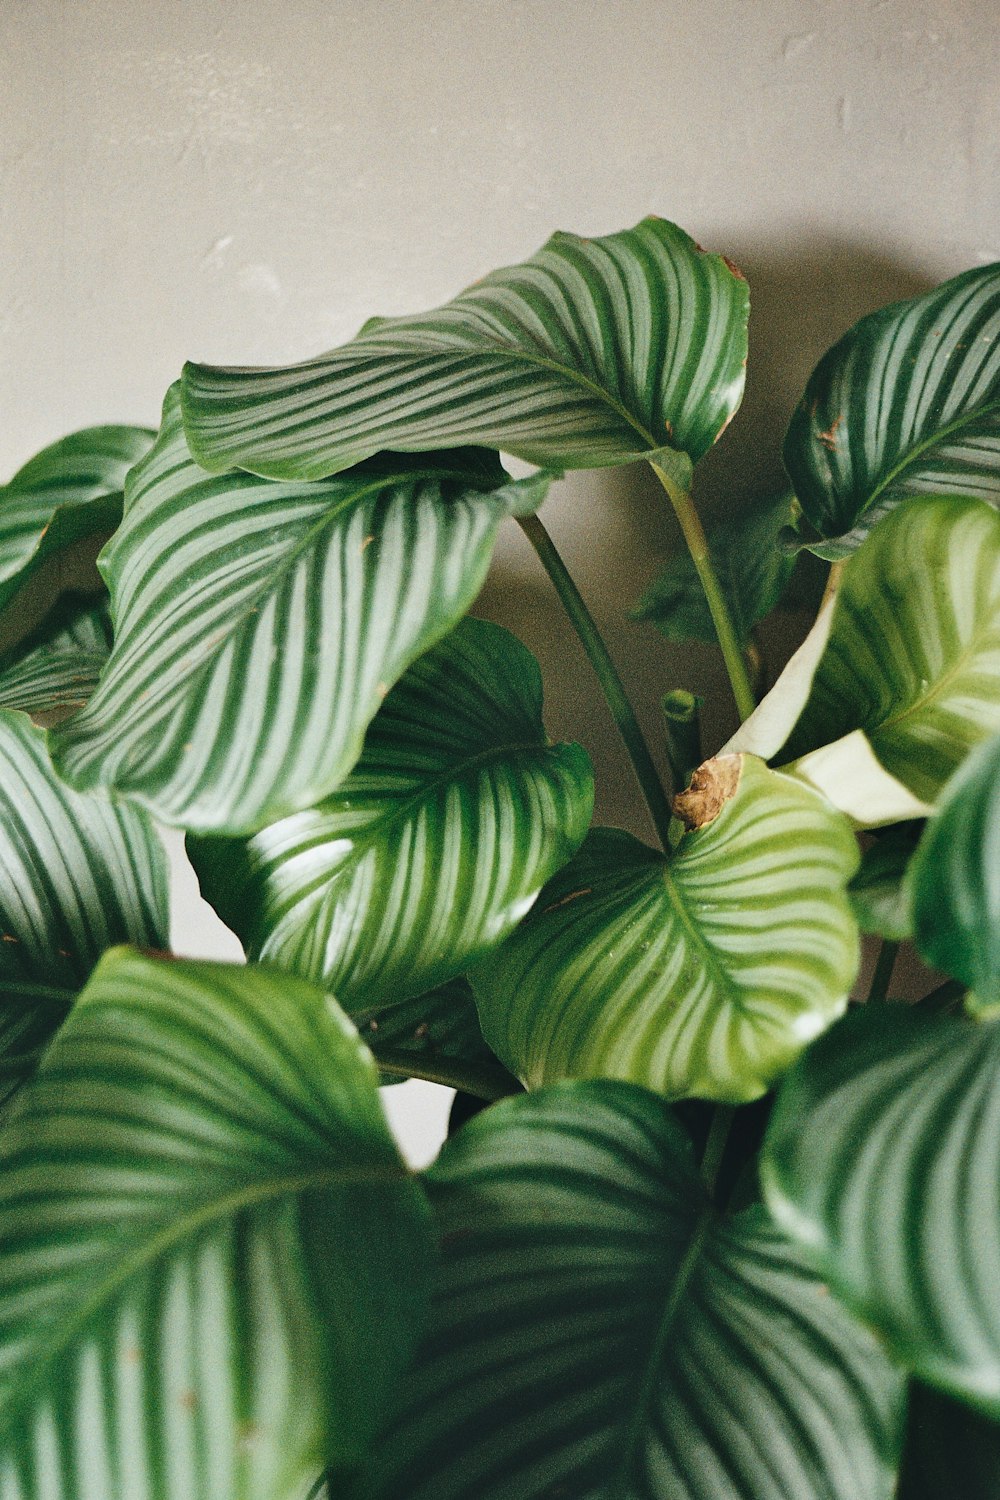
(952, 1453)
(55, 669)
(907, 403)
(702, 974)
(77, 875)
(883, 1160)
(593, 352)
(956, 900)
(599, 1332)
(880, 891)
(436, 1036)
(433, 848)
(913, 653)
(751, 568)
(212, 1263)
(70, 490)
(258, 626)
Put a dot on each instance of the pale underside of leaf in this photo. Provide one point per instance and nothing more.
(593, 352)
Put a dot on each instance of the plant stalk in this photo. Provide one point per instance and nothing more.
(697, 545)
(607, 674)
(878, 991)
(715, 1146)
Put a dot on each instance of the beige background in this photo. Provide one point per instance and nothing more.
(247, 182)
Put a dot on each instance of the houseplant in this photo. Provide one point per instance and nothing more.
(217, 1279)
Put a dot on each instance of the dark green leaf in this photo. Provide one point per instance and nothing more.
(258, 626)
(883, 1160)
(952, 1453)
(70, 490)
(213, 1260)
(701, 974)
(751, 568)
(432, 849)
(55, 669)
(879, 892)
(956, 900)
(593, 352)
(908, 403)
(435, 1036)
(599, 1333)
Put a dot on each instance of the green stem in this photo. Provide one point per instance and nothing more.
(878, 990)
(681, 713)
(943, 999)
(484, 1082)
(697, 545)
(715, 1146)
(607, 674)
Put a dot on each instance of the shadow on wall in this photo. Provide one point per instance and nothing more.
(615, 531)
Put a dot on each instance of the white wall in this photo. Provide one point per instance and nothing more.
(246, 182)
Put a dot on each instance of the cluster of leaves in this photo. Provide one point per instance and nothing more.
(218, 1280)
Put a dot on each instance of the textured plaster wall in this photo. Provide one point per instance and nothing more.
(247, 182)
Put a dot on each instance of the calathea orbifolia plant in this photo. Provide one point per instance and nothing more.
(218, 1280)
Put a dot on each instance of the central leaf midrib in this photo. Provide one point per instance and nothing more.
(713, 962)
(167, 1237)
(917, 451)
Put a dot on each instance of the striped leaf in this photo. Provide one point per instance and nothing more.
(883, 1160)
(703, 974)
(70, 490)
(593, 352)
(956, 901)
(258, 626)
(436, 1036)
(433, 848)
(212, 1261)
(913, 654)
(77, 875)
(908, 403)
(597, 1332)
(55, 669)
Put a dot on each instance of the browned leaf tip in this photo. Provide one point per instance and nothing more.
(712, 786)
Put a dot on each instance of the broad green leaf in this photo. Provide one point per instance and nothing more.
(211, 1269)
(55, 669)
(599, 1332)
(77, 875)
(913, 653)
(70, 490)
(951, 1453)
(593, 352)
(883, 1160)
(258, 626)
(956, 897)
(907, 403)
(751, 568)
(435, 845)
(701, 974)
(435, 1036)
(880, 891)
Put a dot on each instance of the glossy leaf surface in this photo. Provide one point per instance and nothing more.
(704, 974)
(907, 403)
(956, 898)
(751, 568)
(598, 1332)
(70, 490)
(56, 668)
(212, 1259)
(435, 845)
(913, 655)
(883, 1160)
(258, 625)
(77, 875)
(593, 352)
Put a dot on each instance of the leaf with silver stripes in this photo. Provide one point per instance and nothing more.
(259, 625)
(883, 1161)
(593, 352)
(907, 403)
(77, 875)
(702, 974)
(431, 850)
(212, 1266)
(55, 669)
(70, 490)
(913, 655)
(598, 1331)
